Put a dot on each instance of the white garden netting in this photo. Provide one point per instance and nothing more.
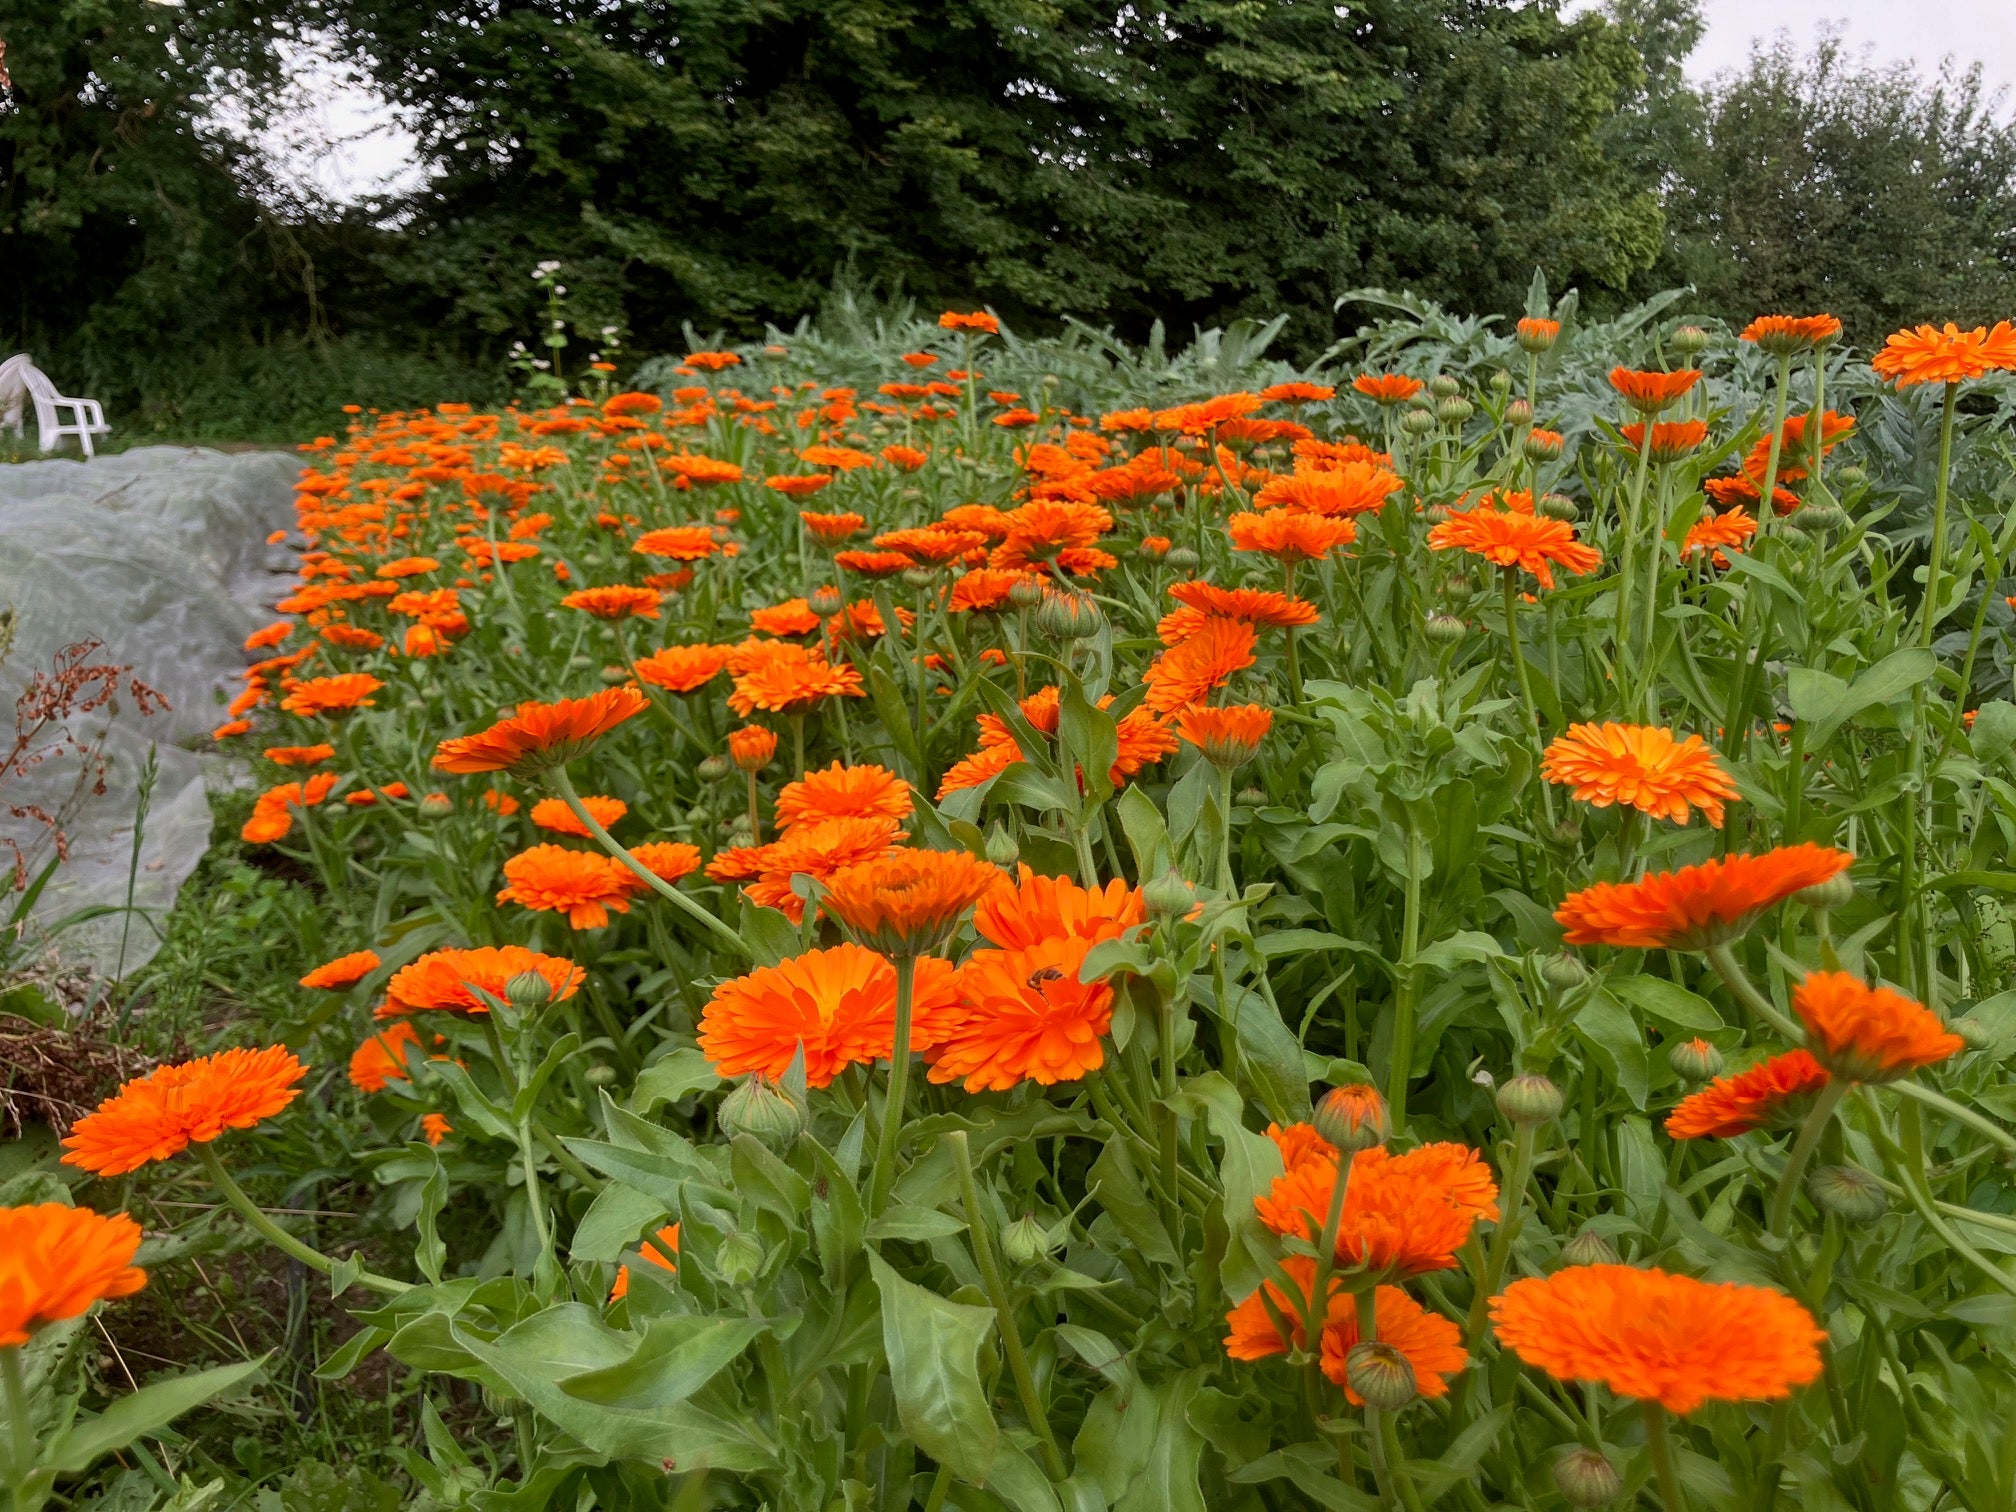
(161, 554)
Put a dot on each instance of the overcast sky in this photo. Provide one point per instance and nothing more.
(343, 140)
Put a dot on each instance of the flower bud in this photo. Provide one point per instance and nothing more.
(1564, 972)
(1457, 587)
(751, 747)
(1588, 1248)
(1586, 1478)
(1168, 896)
(740, 1259)
(1442, 386)
(601, 1074)
(1381, 1375)
(1445, 629)
(1069, 616)
(1026, 593)
(761, 1109)
(1417, 422)
(1501, 384)
(1250, 797)
(1695, 1061)
(1025, 1241)
(1001, 847)
(1183, 559)
(1558, 507)
(1690, 341)
(713, 768)
(824, 602)
(1454, 410)
(919, 577)
(1847, 1193)
(1353, 1118)
(1436, 514)
(436, 806)
(1977, 1034)
(614, 676)
(528, 992)
(1849, 478)
(1537, 334)
(1816, 519)
(1838, 891)
(1529, 1099)
(1542, 446)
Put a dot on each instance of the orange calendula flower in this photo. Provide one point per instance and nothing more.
(817, 851)
(162, 1113)
(1027, 1018)
(667, 860)
(382, 1058)
(1189, 673)
(977, 320)
(658, 1254)
(840, 1004)
(1537, 334)
(292, 756)
(449, 980)
(273, 810)
(1648, 392)
(751, 747)
(553, 814)
(331, 695)
(434, 1127)
(406, 567)
(57, 1262)
(618, 601)
(1869, 1034)
(682, 669)
(1928, 354)
(1052, 529)
(682, 543)
(583, 885)
(1289, 535)
(1772, 1094)
(1781, 335)
(843, 792)
(344, 971)
(1036, 909)
(1641, 766)
(1729, 531)
(833, 528)
(1352, 488)
(798, 485)
(985, 590)
(1532, 543)
(1256, 606)
(791, 687)
(1387, 388)
(1659, 1337)
(1432, 1344)
(540, 736)
(909, 902)
(1670, 440)
(1698, 906)
(1403, 1214)
(1228, 737)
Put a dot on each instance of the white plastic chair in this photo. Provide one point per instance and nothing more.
(21, 382)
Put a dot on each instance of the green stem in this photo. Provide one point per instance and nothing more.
(1734, 978)
(21, 1432)
(1802, 1151)
(1766, 510)
(1398, 1072)
(1929, 609)
(275, 1235)
(894, 1105)
(564, 786)
(1659, 1443)
(1500, 1255)
(1224, 834)
(1004, 1312)
(1918, 945)
(1318, 1314)
(1947, 1108)
(1506, 577)
(1172, 1189)
(1634, 502)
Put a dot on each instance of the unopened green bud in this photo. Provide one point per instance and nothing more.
(1025, 1241)
(764, 1111)
(1558, 507)
(1069, 616)
(1695, 1061)
(1353, 1118)
(1977, 1034)
(714, 768)
(1026, 593)
(1250, 798)
(1454, 411)
(1588, 1248)
(1847, 1193)
(1529, 1099)
(1838, 891)
(1168, 896)
(528, 992)
(1381, 1375)
(1436, 514)
(436, 806)
(1816, 519)
(600, 1075)
(614, 676)
(1445, 629)
(1442, 386)
(1586, 1478)
(740, 1259)
(1519, 412)
(1501, 383)
(1564, 972)
(1183, 559)
(1417, 422)
(1001, 847)
(1690, 341)
(1849, 478)
(919, 577)
(824, 602)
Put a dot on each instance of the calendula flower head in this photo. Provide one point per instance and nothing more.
(667, 860)
(833, 528)
(1187, 674)
(1036, 909)
(586, 886)
(1670, 441)
(1651, 392)
(1537, 334)
(1256, 606)
(162, 1113)
(751, 747)
(1695, 907)
(839, 1004)
(1228, 737)
(1027, 1017)
(1720, 533)
(1387, 388)
(337, 694)
(382, 1057)
(1532, 543)
(1352, 1117)
(792, 687)
(1641, 766)
(57, 1262)
(540, 737)
(682, 543)
(1659, 1337)
(976, 320)
(1290, 535)
(456, 981)
(553, 814)
(344, 971)
(843, 792)
(616, 602)
(1432, 1344)
(1928, 354)
(908, 903)
(1341, 491)
(1869, 1034)
(1773, 1094)
(1783, 335)
(1403, 1214)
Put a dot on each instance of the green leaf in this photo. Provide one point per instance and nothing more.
(145, 1411)
(1147, 835)
(1116, 1186)
(613, 1221)
(675, 1076)
(1089, 737)
(1246, 1169)
(914, 1223)
(1617, 1041)
(676, 1357)
(894, 715)
(1891, 678)
(933, 1347)
(1668, 1002)
(1167, 1482)
(1283, 942)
